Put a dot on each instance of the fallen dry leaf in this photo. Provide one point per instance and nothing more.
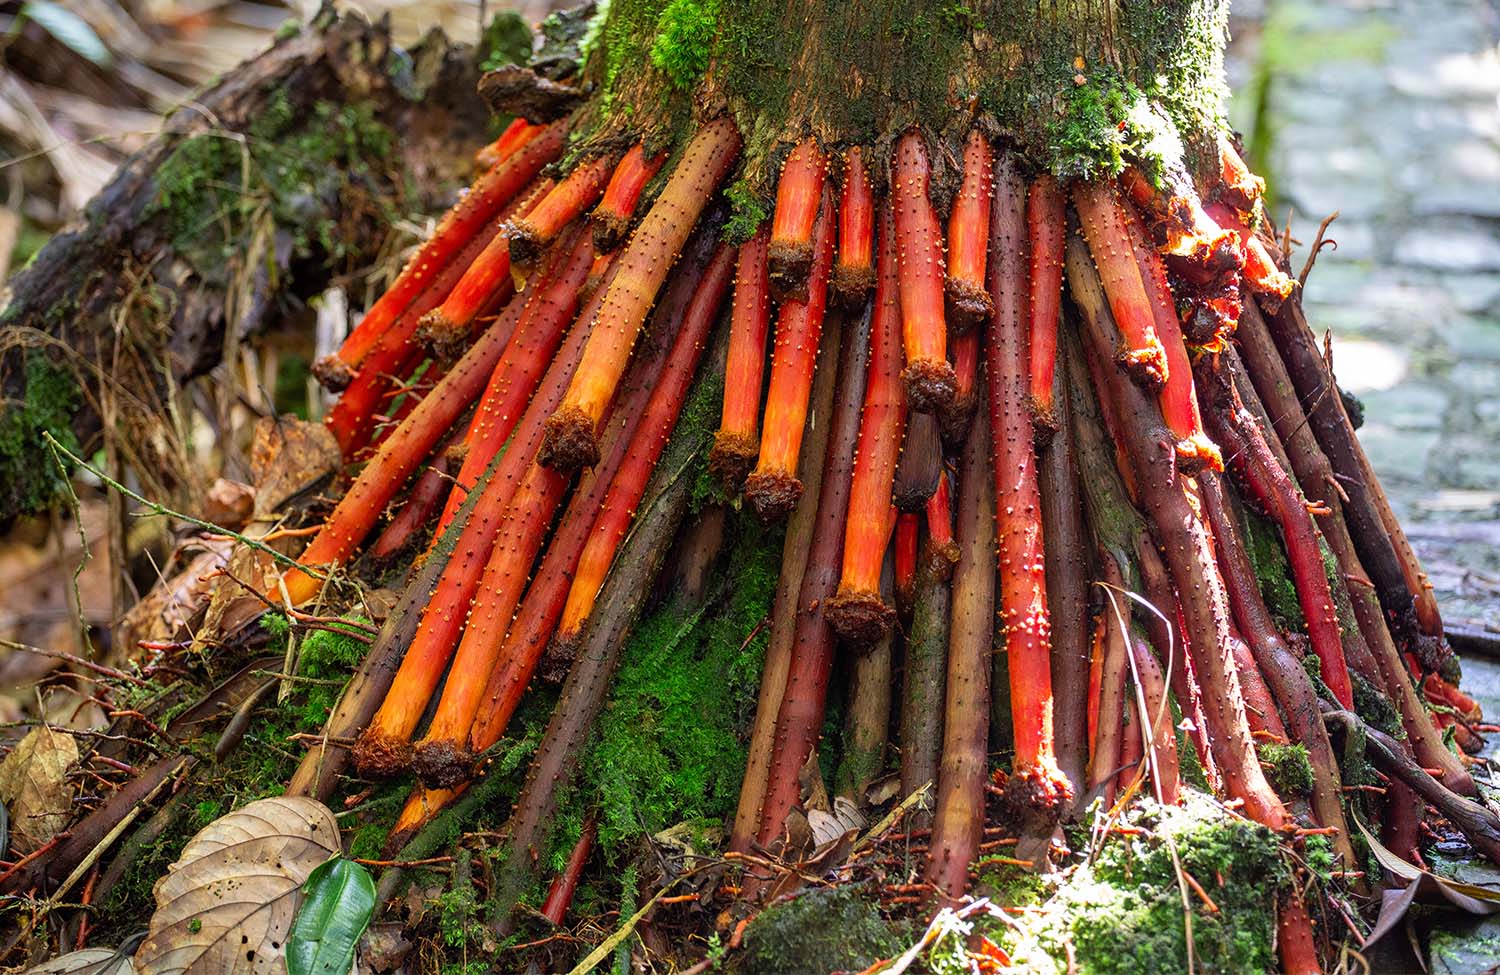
(289, 458)
(228, 904)
(35, 788)
(90, 961)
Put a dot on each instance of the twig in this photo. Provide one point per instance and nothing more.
(59, 451)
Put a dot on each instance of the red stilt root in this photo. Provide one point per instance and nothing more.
(969, 304)
(798, 196)
(737, 441)
(930, 383)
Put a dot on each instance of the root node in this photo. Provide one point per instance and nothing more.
(381, 756)
(333, 373)
(569, 443)
(440, 765)
(773, 494)
(930, 386)
(859, 618)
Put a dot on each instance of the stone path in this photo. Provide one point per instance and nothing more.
(1389, 111)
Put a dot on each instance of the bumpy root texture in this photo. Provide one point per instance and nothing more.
(445, 757)
(587, 686)
(966, 350)
(1260, 709)
(539, 333)
(1037, 786)
(611, 218)
(656, 426)
(858, 613)
(942, 550)
(1046, 229)
(1296, 946)
(560, 893)
(737, 441)
(534, 232)
(423, 501)
(399, 454)
(1369, 564)
(1103, 220)
(1178, 398)
(1274, 488)
(784, 609)
(772, 489)
(571, 437)
(1270, 284)
(536, 620)
(445, 330)
(389, 732)
(930, 383)
(923, 680)
(854, 272)
(1171, 507)
(1195, 245)
(352, 420)
(516, 134)
(799, 719)
(969, 304)
(1067, 545)
(958, 819)
(1237, 185)
(904, 560)
(799, 195)
(1160, 741)
(459, 225)
(439, 758)
(1289, 683)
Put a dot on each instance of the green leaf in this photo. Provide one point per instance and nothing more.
(68, 28)
(340, 900)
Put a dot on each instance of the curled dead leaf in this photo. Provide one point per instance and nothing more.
(90, 961)
(227, 905)
(35, 788)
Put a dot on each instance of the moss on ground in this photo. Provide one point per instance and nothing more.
(822, 930)
(671, 741)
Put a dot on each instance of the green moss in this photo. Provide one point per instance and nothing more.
(1287, 768)
(1124, 910)
(506, 40)
(1277, 586)
(684, 37)
(670, 743)
(822, 930)
(214, 188)
(30, 479)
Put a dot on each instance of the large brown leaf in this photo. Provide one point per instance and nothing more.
(35, 788)
(227, 905)
(89, 961)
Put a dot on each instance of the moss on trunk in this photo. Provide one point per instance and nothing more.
(1076, 85)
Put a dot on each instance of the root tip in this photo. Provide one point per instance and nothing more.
(969, 305)
(851, 285)
(773, 494)
(444, 337)
(732, 458)
(440, 764)
(381, 756)
(569, 443)
(610, 231)
(790, 264)
(333, 373)
(859, 618)
(526, 243)
(930, 385)
(1196, 454)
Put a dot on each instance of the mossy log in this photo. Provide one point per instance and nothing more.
(281, 178)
